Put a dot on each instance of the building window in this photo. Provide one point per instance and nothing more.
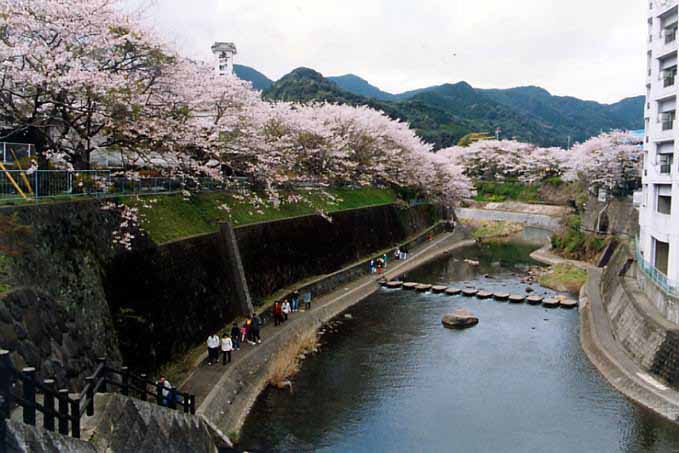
(667, 120)
(666, 161)
(663, 204)
(661, 255)
(668, 76)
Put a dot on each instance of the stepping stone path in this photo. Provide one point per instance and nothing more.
(423, 288)
(453, 291)
(569, 303)
(394, 285)
(439, 289)
(501, 296)
(484, 295)
(410, 285)
(552, 302)
(535, 300)
(469, 292)
(516, 299)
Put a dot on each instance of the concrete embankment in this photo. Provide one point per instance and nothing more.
(629, 341)
(229, 400)
(548, 217)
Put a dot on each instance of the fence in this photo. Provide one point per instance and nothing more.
(670, 287)
(12, 152)
(16, 185)
(63, 412)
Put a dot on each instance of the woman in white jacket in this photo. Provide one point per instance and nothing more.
(227, 347)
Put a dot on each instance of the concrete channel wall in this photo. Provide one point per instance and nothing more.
(487, 215)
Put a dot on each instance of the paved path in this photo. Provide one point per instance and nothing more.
(596, 337)
(545, 256)
(203, 379)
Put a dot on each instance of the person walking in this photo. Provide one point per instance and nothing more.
(385, 259)
(404, 253)
(212, 349)
(235, 336)
(256, 329)
(286, 310)
(277, 313)
(371, 266)
(227, 347)
(243, 333)
(295, 301)
(307, 300)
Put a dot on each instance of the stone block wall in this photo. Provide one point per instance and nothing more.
(617, 215)
(278, 254)
(638, 326)
(55, 316)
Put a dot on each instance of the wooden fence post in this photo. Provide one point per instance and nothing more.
(75, 417)
(63, 411)
(142, 393)
(104, 374)
(48, 416)
(5, 384)
(29, 395)
(126, 381)
(89, 394)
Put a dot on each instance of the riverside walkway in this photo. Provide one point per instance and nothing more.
(207, 382)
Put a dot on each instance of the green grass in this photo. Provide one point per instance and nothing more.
(4, 264)
(571, 242)
(493, 191)
(486, 230)
(564, 277)
(169, 217)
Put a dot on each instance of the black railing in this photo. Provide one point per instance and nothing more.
(63, 412)
(665, 169)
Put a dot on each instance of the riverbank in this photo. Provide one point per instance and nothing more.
(613, 362)
(225, 396)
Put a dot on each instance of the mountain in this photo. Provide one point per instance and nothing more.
(443, 114)
(259, 81)
(356, 85)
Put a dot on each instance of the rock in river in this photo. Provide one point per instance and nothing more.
(461, 319)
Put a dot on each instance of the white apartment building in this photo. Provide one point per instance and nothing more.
(225, 53)
(659, 210)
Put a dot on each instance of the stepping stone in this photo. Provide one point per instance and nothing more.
(439, 289)
(501, 296)
(484, 295)
(394, 284)
(552, 302)
(423, 288)
(535, 300)
(410, 285)
(469, 292)
(516, 299)
(453, 291)
(569, 303)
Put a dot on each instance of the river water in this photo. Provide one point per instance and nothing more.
(392, 379)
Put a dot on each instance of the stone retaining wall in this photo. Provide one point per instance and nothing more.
(637, 325)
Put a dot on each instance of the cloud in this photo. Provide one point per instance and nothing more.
(584, 48)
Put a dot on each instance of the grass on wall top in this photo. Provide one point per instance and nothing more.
(169, 217)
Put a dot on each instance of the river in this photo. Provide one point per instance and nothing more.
(392, 379)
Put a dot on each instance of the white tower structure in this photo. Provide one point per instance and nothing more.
(225, 53)
(659, 210)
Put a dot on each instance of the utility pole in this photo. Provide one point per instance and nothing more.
(497, 133)
(569, 142)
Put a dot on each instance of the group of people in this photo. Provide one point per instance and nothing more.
(283, 308)
(401, 253)
(250, 331)
(378, 265)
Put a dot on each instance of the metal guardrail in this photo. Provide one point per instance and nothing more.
(10, 152)
(18, 185)
(670, 287)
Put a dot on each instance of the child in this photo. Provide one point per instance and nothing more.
(243, 333)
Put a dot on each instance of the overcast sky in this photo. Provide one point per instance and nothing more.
(591, 49)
